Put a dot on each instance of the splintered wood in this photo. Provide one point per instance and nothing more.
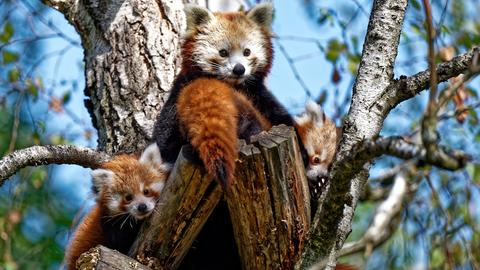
(269, 201)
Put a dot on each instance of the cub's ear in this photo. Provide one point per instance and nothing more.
(101, 178)
(314, 112)
(196, 16)
(262, 14)
(151, 156)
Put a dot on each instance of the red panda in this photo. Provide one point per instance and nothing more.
(127, 189)
(319, 136)
(212, 114)
(230, 51)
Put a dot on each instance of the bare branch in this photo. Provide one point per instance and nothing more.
(401, 147)
(49, 154)
(407, 87)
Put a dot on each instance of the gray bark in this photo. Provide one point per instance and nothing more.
(332, 222)
(49, 154)
(131, 58)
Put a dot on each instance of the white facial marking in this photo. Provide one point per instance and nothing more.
(141, 199)
(314, 171)
(158, 187)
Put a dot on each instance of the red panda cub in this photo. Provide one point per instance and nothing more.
(319, 136)
(126, 189)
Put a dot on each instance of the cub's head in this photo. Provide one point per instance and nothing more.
(319, 136)
(232, 46)
(131, 185)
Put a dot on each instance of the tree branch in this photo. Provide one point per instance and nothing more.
(49, 154)
(407, 87)
(402, 148)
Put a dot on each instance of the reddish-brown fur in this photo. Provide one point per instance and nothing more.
(88, 235)
(128, 173)
(209, 111)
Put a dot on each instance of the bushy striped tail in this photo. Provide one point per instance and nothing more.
(208, 116)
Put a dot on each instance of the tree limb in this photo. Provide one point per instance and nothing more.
(407, 87)
(49, 154)
(402, 148)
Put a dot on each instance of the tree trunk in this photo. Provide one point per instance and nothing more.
(131, 58)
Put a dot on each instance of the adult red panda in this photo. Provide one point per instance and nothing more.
(229, 51)
(127, 189)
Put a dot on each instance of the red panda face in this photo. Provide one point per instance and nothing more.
(319, 136)
(231, 46)
(127, 185)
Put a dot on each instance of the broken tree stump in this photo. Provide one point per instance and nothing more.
(268, 203)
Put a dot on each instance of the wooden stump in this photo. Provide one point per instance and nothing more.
(269, 201)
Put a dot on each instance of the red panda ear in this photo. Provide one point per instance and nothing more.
(151, 156)
(101, 178)
(262, 14)
(196, 16)
(315, 113)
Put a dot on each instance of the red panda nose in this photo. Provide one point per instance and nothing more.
(142, 208)
(238, 69)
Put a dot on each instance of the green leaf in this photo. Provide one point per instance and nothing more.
(32, 88)
(437, 258)
(66, 97)
(10, 57)
(416, 5)
(7, 33)
(334, 50)
(13, 75)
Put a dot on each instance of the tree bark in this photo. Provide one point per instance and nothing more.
(269, 201)
(131, 58)
(268, 204)
(102, 258)
(332, 222)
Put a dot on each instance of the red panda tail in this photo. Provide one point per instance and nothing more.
(207, 115)
(88, 235)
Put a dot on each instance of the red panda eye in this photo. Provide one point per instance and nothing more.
(246, 52)
(146, 192)
(223, 53)
(316, 160)
(128, 197)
